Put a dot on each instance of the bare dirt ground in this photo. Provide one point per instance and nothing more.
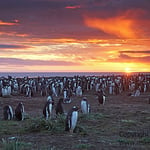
(122, 123)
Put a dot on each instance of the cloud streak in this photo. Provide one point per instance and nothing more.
(3, 23)
(73, 7)
(123, 58)
(136, 52)
(29, 62)
(8, 46)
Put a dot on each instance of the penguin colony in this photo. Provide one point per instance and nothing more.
(71, 116)
(68, 87)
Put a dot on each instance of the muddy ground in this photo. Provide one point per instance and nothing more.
(122, 123)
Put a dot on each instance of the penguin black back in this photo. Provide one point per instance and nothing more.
(101, 97)
(47, 110)
(19, 111)
(59, 107)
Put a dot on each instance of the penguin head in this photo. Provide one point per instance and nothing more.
(84, 98)
(49, 98)
(75, 108)
(20, 104)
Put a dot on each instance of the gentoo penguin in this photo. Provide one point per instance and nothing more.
(47, 110)
(101, 97)
(85, 106)
(50, 98)
(59, 108)
(8, 112)
(71, 119)
(19, 112)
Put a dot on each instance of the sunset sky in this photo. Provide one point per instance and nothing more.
(74, 35)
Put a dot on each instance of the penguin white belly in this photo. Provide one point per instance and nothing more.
(104, 99)
(65, 94)
(11, 112)
(88, 109)
(84, 107)
(74, 119)
(22, 112)
(50, 110)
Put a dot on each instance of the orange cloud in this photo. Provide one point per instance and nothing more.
(13, 34)
(120, 26)
(73, 7)
(2, 23)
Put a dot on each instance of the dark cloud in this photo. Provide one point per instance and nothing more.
(51, 19)
(31, 4)
(131, 51)
(28, 62)
(5, 46)
(123, 58)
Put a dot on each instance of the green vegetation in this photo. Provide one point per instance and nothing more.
(84, 146)
(124, 141)
(91, 116)
(145, 140)
(101, 126)
(128, 121)
(40, 124)
(10, 127)
(14, 144)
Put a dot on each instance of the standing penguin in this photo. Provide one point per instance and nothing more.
(85, 106)
(19, 112)
(50, 98)
(47, 110)
(59, 108)
(8, 112)
(101, 97)
(71, 119)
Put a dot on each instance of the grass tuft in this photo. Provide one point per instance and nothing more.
(84, 146)
(40, 124)
(15, 145)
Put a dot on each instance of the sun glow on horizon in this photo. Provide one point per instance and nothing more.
(128, 70)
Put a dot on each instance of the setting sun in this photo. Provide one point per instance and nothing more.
(128, 70)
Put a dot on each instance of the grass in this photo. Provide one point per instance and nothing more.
(145, 140)
(97, 124)
(91, 116)
(9, 127)
(15, 145)
(40, 124)
(84, 146)
(48, 148)
(128, 121)
(124, 141)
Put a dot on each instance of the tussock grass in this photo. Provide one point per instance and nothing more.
(84, 146)
(124, 141)
(145, 140)
(40, 124)
(91, 116)
(9, 127)
(48, 148)
(15, 144)
(129, 123)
